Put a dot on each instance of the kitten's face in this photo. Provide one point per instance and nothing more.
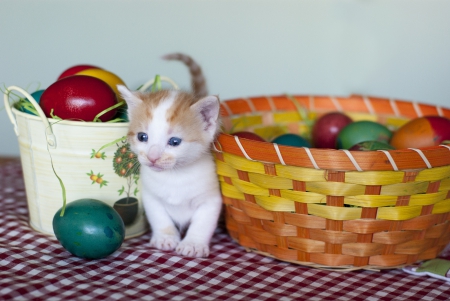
(170, 129)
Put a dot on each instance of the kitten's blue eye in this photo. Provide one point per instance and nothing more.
(143, 137)
(174, 141)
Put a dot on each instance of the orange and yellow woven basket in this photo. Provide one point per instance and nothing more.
(332, 208)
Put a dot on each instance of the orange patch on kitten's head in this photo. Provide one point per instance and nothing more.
(149, 102)
(143, 114)
(180, 115)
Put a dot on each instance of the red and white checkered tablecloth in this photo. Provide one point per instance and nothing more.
(34, 266)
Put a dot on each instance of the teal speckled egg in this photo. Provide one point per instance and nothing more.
(37, 95)
(89, 229)
(292, 140)
(122, 113)
(25, 104)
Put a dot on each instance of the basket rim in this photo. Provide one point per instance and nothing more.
(331, 159)
(321, 103)
(334, 159)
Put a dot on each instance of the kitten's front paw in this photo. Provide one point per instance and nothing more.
(165, 243)
(190, 249)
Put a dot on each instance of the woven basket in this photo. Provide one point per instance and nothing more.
(332, 208)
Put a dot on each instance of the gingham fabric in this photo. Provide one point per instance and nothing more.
(34, 266)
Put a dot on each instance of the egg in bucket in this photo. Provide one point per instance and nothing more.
(84, 156)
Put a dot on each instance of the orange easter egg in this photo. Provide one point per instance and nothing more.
(422, 132)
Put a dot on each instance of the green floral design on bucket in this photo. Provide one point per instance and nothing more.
(127, 166)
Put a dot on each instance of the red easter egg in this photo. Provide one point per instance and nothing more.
(75, 69)
(422, 132)
(79, 97)
(327, 128)
(248, 135)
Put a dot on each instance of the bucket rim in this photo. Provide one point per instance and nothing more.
(71, 122)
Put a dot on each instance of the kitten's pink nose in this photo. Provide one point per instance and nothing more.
(154, 154)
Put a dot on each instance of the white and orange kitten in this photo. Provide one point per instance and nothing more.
(171, 132)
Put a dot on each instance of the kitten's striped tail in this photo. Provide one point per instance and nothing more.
(197, 78)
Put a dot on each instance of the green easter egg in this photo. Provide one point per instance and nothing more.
(360, 131)
(371, 146)
(89, 229)
(292, 140)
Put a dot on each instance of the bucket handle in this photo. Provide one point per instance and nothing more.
(51, 139)
(163, 78)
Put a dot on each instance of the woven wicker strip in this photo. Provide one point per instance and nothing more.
(328, 208)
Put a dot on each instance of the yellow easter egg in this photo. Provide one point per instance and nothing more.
(108, 77)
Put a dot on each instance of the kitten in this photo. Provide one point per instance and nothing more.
(171, 132)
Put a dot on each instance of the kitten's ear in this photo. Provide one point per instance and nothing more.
(130, 98)
(209, 109)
